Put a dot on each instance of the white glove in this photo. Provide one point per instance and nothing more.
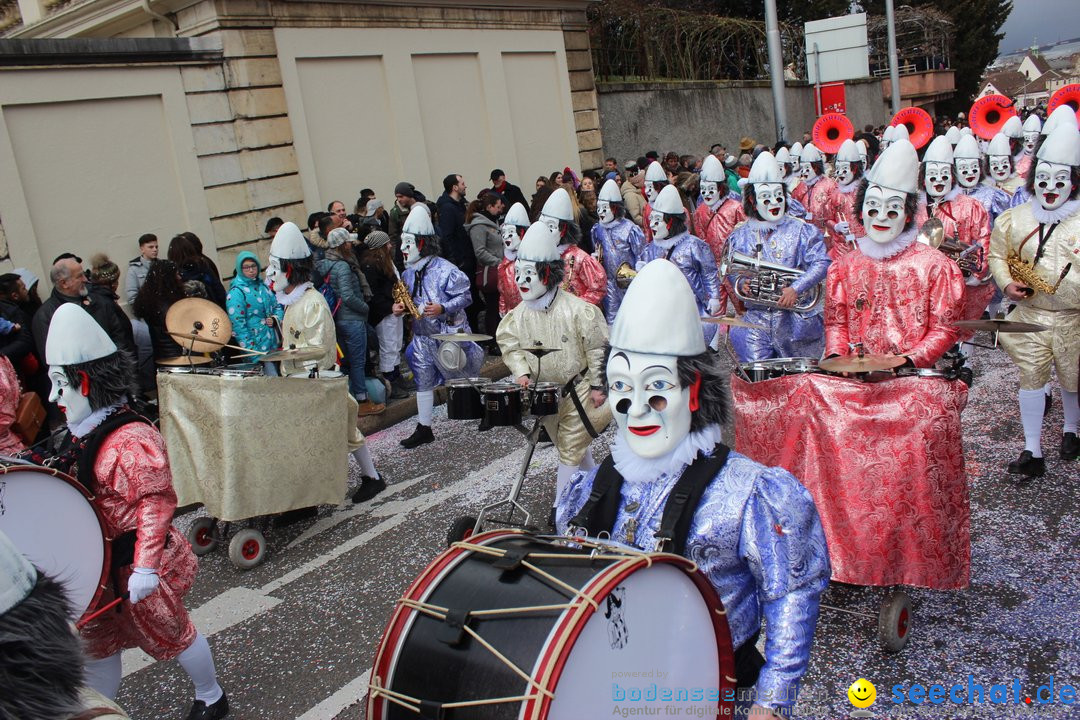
(842, 227)
(141, 583)
(638, 265)
(850, 237)
(714, 305)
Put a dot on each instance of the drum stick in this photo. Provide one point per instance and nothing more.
(98, 613)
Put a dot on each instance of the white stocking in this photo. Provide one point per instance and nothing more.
(198, 663)
(104, 675)
(1070, 404)
(587, 460)
(563, 478)
(1031, 417)
(363, 458)
(425, 402)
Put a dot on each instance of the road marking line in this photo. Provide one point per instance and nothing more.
(331, 707)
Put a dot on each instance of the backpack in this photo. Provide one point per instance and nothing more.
(328, 293)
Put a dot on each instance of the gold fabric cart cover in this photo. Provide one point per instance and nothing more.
(250, 446)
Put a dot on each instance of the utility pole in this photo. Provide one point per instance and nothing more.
(894, 69)
(776, 69)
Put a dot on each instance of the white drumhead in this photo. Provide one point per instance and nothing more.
(655, 622)
(323, 375)
(55, 526)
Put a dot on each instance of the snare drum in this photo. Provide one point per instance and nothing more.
(323, 374)
(921, 372)
(49, 516)
(544, 398)
(463, 400)
(502, 404)
(573, 618)
(245, 370)
(761, 370)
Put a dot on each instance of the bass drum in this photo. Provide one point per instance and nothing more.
(510, 625)
(49, 516)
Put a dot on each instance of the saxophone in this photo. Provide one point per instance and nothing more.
(1024, 272)
(402, 295)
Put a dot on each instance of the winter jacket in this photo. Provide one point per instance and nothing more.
(512, 193)
(249, 303)
(487, 243)
(346, 283)
(15, 345)
(136, 276)
(382, 294)
(633, 200)
(215, 291)
(107, 314)
(456, 246)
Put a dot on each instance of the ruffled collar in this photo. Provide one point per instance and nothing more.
(669, 242)
(87, 425)
(636, 469)
(509, 254)
(848, 188)
(288, 298)
(879, 251)
(543, 302)
(765, 226)
(609, 225)
(811, 182)
(947, 197)
(1049, 217)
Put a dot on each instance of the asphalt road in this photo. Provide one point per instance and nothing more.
(295, 637)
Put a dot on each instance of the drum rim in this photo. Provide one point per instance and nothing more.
(501, 388)
(106, 541)
(547, 669)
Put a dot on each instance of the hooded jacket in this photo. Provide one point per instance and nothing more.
(487, 243)
(249, 303)
(633, 199)
(344, 278)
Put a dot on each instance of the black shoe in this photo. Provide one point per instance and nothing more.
(1070, 446)
(1028, 465)
(1049, 404)
(369, 488)
(397, 392)
(421, 436)
(543, 437)
(294, 516)
(202, 711)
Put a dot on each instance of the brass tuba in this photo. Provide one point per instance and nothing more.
(767, 281)
(402, 295)
(969, 258)
(624, 275)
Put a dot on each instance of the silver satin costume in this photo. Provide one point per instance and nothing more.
(796, 244)
(443, 283)
(621, 242)
(696, 261)
(578, 329)
(757, 537)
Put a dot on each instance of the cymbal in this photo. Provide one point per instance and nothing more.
(293, 355)
(201, 338)
(197, 316)
(997, 325)
(540, 350)
(462, 337)
(857, 364)
(184, 360)
(731, 322)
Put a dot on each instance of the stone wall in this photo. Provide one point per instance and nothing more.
(689, 117)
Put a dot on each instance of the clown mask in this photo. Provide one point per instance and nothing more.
(410, 248)
(1030, 138)
(967, 172)
(1053, 184)
(73, 403)
(528, 280)
(275, 278)
(650, 191)
(883, 214)
(551, 222)
(660, 225)
(652, 410)
(605, 212)
(1000, 167)
(807, 171)
(844, 173)
(511, 236)
(769, 201)
(710, 193)
(938, 180)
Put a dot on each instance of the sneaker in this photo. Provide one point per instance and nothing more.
(1070, 446)
(1028, 465)
(201, 711)
(369, 408)
(369, 488)
(421, 436)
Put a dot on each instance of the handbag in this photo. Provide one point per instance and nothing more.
(29, 417)
(487, 279)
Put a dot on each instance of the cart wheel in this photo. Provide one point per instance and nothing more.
(203, 535)
(462, 529)
(894, 621)
(247, 548)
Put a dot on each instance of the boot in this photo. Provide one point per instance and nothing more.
(369, 408)
(398, 391)
(369, 488)
(1028, 465)
(421, 436)
(1070, 446)
(202, 711)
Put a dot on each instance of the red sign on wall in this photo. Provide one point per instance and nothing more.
(832, 98)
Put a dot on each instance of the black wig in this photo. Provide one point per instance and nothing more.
(298, 270)
(111, 378)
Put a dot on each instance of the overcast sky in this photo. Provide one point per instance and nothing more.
(1045, 20)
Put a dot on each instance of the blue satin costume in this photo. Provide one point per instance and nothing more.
(622, 242)
(757, 537)
(795, 244)
(441, 282)
(695, 258)
(994, 199)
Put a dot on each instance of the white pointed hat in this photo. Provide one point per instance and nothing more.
(863, 149)
(796, 150)
(1062, 114)
(897, 168)
(1062, 147)
(889, 134)
(810, 153)
(655, 173)
(712, 170)
(517, 216)
(610, 192)
(765, 170)
(848, 152)
(669, 202)
(1033, 123)
(783, 156)
(900, 132)
(558, 206)
(952, 135)
(659, 314)
(1013, 128)
(967, 148)
(940, 151)
(540, 244)
(967, 131)
(75, 337)
(999, 146)
(17, 575)
(418, 221)
(289, 243)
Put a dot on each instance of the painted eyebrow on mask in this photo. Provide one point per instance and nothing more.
(623, 356)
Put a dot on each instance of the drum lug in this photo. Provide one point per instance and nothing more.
(452, 631)
(510, 561)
